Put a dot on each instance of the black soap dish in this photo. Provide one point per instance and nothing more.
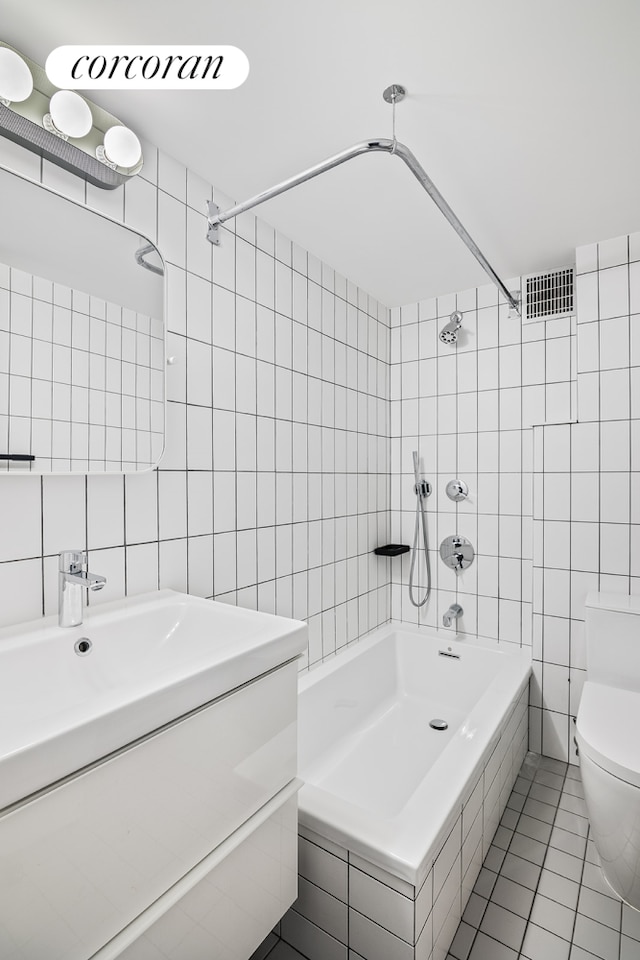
(392, 549)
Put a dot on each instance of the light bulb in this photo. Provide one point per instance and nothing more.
(70, 114)
(122, 147)
(16, 82)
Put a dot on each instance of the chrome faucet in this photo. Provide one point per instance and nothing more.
(454, 611)
(73, 578)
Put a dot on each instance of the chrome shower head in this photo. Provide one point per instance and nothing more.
(449, 333)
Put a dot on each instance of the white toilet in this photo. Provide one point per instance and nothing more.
(608, 737)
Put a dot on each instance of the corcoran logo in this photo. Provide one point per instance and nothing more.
(146, 67)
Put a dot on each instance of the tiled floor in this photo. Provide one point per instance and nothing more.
(540, 894)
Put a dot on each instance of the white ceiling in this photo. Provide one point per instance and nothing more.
(525, 115)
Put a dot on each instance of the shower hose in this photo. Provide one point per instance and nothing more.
(421, 520)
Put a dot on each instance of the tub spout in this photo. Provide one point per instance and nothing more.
(454, 611)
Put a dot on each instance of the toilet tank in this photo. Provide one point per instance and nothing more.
(612, 632)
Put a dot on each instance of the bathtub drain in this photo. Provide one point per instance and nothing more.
(438, 724)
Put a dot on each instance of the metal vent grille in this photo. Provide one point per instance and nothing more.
(548, 296)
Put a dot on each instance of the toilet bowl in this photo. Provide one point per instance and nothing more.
(608, 737)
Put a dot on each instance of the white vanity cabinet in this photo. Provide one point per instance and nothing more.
(180, 845)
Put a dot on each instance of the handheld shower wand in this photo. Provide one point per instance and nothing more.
(422, 491)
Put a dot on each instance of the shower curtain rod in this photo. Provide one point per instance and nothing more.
(395, 148)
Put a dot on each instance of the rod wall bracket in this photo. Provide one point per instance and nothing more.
(213, 223)
(515, 305)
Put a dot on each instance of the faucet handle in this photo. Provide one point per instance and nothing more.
(72, 561)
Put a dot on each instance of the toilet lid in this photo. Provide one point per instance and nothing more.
(608, 729)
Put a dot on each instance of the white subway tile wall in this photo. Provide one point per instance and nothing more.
(586, 513)
(274, 486)
(540, 422)
(468, 409)
(81, 379)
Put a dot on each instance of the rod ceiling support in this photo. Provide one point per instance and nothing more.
(394, 94)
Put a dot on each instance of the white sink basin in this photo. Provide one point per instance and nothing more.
(153, 658)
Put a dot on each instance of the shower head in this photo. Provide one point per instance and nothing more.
(449, 333)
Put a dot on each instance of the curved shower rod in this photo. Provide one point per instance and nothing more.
(395, 148)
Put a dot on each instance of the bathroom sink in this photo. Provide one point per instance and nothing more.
(69, 696)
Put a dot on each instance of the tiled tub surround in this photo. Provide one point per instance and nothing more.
(469, 408)
(553, 511)
(274, 486)
(81, 379)
(384, 875)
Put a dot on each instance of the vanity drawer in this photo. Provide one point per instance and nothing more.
(82, 860)
(228, 905)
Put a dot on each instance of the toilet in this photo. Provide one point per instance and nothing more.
(608, 737)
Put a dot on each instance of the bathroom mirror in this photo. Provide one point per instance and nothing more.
(82, 337)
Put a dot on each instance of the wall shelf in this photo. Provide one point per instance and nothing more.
(392, 550)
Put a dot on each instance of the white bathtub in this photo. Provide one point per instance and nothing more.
(407, 811)
(378, 779)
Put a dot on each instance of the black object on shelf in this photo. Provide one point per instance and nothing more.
(392, 549)
(16, 456)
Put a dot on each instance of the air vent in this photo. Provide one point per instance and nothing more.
(548, 296)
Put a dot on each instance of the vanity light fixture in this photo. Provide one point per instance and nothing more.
(62, 126)
(16, 82)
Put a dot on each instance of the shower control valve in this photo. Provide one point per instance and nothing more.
(456, 552)
(457, 490)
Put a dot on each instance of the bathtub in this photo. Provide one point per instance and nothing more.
(404, 812)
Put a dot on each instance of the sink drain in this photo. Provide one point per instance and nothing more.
(438, 724)
(83, 646)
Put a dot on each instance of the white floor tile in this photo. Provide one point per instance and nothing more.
(571, 822)
(539, 810)
(553, 917)
(631, 922)
(563, 863)
(284, 952)
(593, 878)
(628, 949)
(522, 871)
(540, 944)
(504, 926)
(596, 937)
(558, 888)
(536, 829)
(513, 896)
(603, 909)
(485, 948)
(462, 941)
(574, 914)
(528, 849)
(474, 910)
(568, 842)
(549, 779)
(485, 882)
(545, 794)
